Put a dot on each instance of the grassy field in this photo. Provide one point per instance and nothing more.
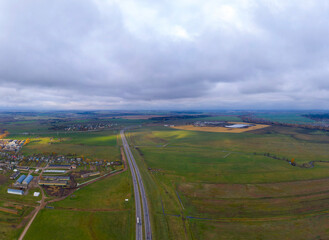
(200, 185)
(92, 145)
(221, 186)
(97, 211)
(10, 223)
(19, 127)
(230, 118)
(68, 224)
(301, 229)
(109, 193)
(285, 117)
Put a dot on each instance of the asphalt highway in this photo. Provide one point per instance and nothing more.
(139, 192)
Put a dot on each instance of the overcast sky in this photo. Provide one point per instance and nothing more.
(173, 54)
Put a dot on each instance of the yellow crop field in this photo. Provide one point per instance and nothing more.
(4, 134)
(221, 129)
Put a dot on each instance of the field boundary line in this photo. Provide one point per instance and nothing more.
(180, 201)
(227, 155)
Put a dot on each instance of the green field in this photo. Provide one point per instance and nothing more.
(294, 118)
(200, 185)
(97, 211)
(93, 145)
(109, 193)
(219, 118)
(221, 186)
(67, 224)
(10, 227)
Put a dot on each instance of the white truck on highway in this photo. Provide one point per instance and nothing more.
(138, 220)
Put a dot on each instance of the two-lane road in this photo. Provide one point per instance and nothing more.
(139, 192)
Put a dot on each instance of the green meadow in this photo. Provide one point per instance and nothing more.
(109, 193)
(219, 118)
(68, 224)
(201, 183)
(9, 227)
(285, 117)
(97, 211)
(92, 145)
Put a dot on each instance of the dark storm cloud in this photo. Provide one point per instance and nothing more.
(149, 54)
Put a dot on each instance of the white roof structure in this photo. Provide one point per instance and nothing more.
(15, 191)
(54, 171)
(237, 126)
(36, 194)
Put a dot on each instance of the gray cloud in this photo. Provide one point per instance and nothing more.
(150, 54)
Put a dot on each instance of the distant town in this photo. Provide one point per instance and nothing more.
(7, 145)
(83, 127)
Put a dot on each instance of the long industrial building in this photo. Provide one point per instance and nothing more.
(15, 191)
(52, 183)
(54, 171)
(55, 178)
(60, 166)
